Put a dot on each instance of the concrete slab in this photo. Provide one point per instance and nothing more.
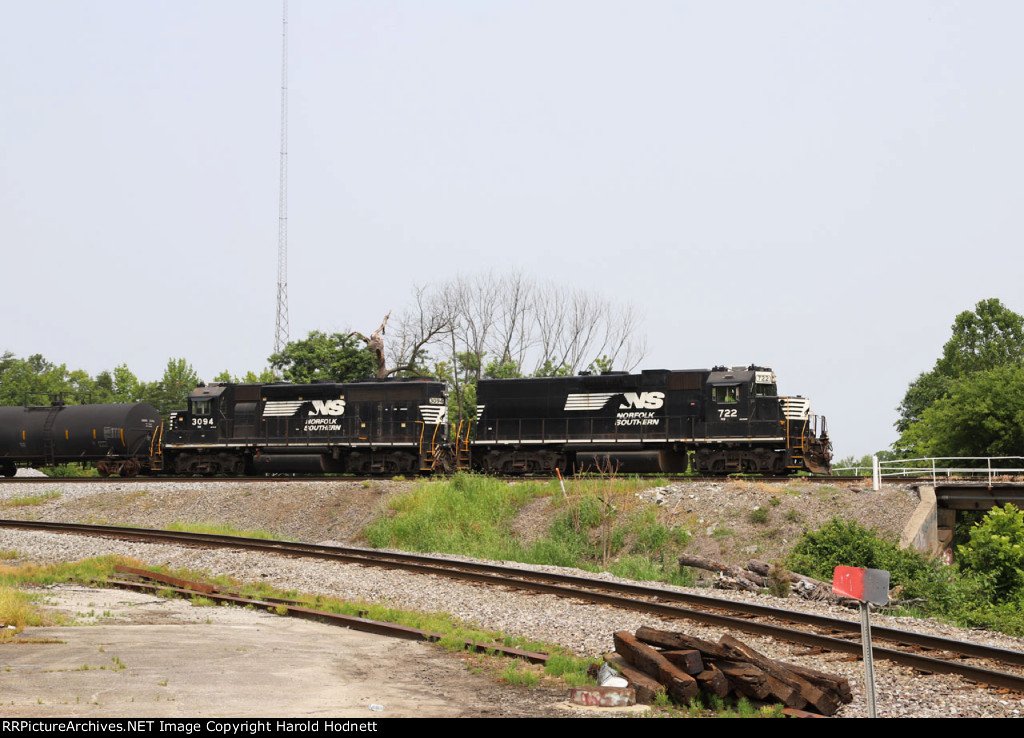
(144, 656)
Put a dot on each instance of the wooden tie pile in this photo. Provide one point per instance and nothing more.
(657, 660)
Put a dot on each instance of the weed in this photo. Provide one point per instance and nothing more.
(29, 500)
(571, 669)
(661, 699)
(224, 530)
(17, 610)
(758, 516)
(519, 675)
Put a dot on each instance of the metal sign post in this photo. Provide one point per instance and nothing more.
(867, 586)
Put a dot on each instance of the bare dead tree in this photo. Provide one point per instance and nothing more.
(376, 344)
(428, 321)
(512, 318)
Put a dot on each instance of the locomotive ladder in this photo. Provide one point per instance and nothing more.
(428, 451)
(49, 449)
(795, 442)
(156, 448)
(462, 455)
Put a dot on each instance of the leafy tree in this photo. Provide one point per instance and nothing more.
(337, 357)
(172, 390)
(987, 338)
(37, 381)
(127, 387)
(502, 369)
(264, 377)
(982, 414)
(990, 337)
(550, 369)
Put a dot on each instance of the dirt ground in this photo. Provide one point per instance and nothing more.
(147, 657)
(720, 516)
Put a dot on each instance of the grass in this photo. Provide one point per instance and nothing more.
(222, 529)
(599, 524)
(17, 609)
(30, 500)
(519, 674)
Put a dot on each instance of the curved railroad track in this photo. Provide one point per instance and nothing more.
(929, 654)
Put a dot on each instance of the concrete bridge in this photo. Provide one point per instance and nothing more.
(931, 527)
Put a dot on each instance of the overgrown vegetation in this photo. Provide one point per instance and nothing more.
(30, 500)
(984, 589)
(599, 524)
(221, 529)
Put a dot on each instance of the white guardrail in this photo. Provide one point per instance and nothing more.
(937, 467)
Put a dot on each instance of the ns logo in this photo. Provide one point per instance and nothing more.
(642, 400)
(328, 407)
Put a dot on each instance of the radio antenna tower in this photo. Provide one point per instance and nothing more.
(281, 331)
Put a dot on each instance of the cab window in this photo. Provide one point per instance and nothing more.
(202, 407)
(727, 393)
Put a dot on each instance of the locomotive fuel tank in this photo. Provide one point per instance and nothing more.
(62, 434)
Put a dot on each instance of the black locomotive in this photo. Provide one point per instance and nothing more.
(725, 419)
(379, 427)
(714, 420)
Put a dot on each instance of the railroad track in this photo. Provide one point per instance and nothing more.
(674, 479)
(907, 648)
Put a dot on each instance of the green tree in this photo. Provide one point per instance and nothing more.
(172, 390)
(989, 337)
(982, 414)
(37, 381)
(502, 369)
(337, 357)
(550, 369)
(264, 377)
(127, 387)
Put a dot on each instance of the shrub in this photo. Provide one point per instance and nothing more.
(841, 543)
(758, 516)
(995, 552)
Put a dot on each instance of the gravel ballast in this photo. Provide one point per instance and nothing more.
(334, 512)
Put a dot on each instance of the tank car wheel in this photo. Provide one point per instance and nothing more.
(103, 468)
(8, 469)
(130, 468)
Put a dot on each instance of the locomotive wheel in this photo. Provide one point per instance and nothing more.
(9, 469)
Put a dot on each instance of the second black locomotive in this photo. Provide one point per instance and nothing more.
(718, 420)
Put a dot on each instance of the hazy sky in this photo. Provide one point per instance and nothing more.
(816, 187)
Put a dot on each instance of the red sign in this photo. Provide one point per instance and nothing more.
(866, 585)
